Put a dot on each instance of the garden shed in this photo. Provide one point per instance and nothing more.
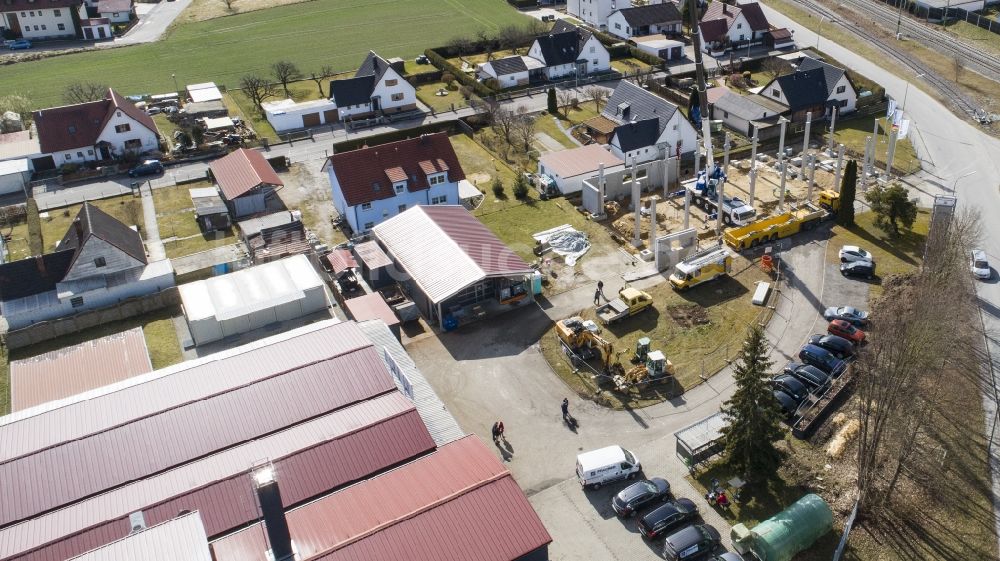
(701, 440)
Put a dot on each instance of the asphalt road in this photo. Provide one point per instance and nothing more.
(151, 25)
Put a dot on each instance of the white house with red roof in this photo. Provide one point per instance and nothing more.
(108, 129)
(373, 184)
(725, 26)
(33, 19)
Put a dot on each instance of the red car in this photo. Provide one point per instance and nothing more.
(844, 329)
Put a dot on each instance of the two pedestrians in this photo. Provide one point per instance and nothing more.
(498, 432)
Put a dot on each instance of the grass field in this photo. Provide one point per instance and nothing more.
(852, 133)
(175, 218)
(982, 38)
(338, 33)
(427, 93)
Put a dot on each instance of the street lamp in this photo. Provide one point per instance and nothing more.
(907, 90)
(954, 185)
(899, 17)
(820, 28)
(176, 89)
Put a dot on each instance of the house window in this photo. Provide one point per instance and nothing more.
(397, 97)
(439, 200)
(58, 12)
(125, 127)
(71, 129)
(725, 114)
(436, 179)
(739, 26)
(594, 62)
(36, 28)
(62, 27)
(843, 103)
(22, 15)
(776, 92)
(79, 154)
(100, 262)
(366, 206)
(43, 27)
(399, 187)
(90, 152)
(617, 26)
(76, 302)
(841, 89)
(32, 14)
(369, 225)
(401, 208)
(391, 82)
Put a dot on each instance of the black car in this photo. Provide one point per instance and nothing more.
(790, 385)
(788, 404)
(671, 515)
(822, 359)
(812, 377)
(838, 346)
(692, 542)
(639, 495)
(149, 167)
(865, 269)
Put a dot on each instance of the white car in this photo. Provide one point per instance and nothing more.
(979, 265)
(852, 253)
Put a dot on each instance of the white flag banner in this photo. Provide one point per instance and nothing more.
(904, 128)
(891, 109)
(897, 117)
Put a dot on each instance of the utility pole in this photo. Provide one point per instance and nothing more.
(899, 17)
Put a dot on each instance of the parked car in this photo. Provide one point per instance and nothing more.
(639, 495)
(809, 375)
(149, 167)
(19, 45)
(822, 359)
(422, 59)
(979, 265)
(787, 403)
(790, 385)
(692, 542)
(852, 253)
(727, 556)
(865, 269)
(667, 517)
(850, 314)
(843, 328)
(837, 345)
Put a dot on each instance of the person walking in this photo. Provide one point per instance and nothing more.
(496, 432)
(600, 289)
(597, 297)
(565, 408)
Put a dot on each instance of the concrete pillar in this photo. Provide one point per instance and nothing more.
(784, 175)
(812, 175)
(781, 139)
(652, 223)
(725, 157)
(753, 150)
(753, 185)
(687, 209)
(891, 153)
(805, 139)
(637, 203)
(867, 157)
(833, 123)
(719, 188)
(697, 160)
(666, 178)
(600, 190)
(840, 167)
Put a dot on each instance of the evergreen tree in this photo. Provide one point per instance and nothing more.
(848, 191)
(553, 104)
(892, 206)
(753, 415)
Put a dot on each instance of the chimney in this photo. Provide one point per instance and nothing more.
(273, 512)
(40, 263)
(78, 227)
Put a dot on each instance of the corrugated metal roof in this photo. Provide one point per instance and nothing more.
(577, 161)
(340, 260)
(458, 503)
(372, 255)
(71, 370)
(371, 306)
(444, 249)
(241, 171)
(311, 459)
(92, 412)
(180, 539)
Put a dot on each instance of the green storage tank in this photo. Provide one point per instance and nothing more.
(792, 530)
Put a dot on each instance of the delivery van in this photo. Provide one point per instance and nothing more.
(606, 465)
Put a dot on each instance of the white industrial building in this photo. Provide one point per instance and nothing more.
(15, 175)
(286, 114)
(252, 298)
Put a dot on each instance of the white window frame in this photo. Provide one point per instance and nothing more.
(366, 206)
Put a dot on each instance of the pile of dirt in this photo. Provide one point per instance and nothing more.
(689, 315)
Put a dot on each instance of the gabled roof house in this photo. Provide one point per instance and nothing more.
(246, 180)
(376, 89)
(814, 87)
(650, 19)
(726, 26)
(645, 126)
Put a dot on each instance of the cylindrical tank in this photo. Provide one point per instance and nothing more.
(792, 530)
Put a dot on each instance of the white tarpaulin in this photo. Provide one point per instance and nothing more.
(565, 241)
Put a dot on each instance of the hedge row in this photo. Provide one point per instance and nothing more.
(402, 134)
(461, 77)
(522, 4)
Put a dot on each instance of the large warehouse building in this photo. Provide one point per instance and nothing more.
(267, 445)
(252, 298)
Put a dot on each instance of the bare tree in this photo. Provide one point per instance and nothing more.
(524, 128)
(503, 120)
(643, 76)
(318, 77)
(229, 4)
(460, 45)
(513, 36)
(82, 92)
(565, 98)
(772, 68)
(598, 95)
(257, 89)
(285, 71)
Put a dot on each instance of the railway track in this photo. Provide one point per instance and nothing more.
(953, 95)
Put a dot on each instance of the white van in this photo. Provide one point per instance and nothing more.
(606, 465)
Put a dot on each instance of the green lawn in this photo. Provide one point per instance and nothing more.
(239, 105)
(481, 167)
(982, 38)
(547, 123)
(427, 93)
(338, 33)
(628, 65)
(852, 133)
(175, 217)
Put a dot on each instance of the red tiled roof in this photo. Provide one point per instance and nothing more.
(241, 171)
(340, 260)
(18, 5)
(713, 30)
(77, 126)
(72, 370)
(371, 306)
(780, 34)
(728, 13)
(362, 173)
(458, 503)
(395, 174)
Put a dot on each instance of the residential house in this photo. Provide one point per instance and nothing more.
(742, 113)
(376, 89)
(596, 12)
(815, 87)
(246, 180)
(511, 71)
(651, 19)
(568, 50)
(646, 126)
(569, 168)
(373, 184)
(116, 11)
(107, 129)
(99, 262)
(725, 26)
(48, 19)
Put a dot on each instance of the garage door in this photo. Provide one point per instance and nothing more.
(310, 120)
(331, 116)
(45, 163)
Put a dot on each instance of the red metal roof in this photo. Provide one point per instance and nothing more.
(77, 126)
(362, 174)
(371, 306)
(458, 503)
(310, 460)
(71, 370)
(340, 260)
(241, 171)
(372, 255)
(476, 240)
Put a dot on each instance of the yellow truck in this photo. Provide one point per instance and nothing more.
(767, 230)
(630, 301)
(705, 265)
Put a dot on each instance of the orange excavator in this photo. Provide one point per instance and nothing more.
(583, 341)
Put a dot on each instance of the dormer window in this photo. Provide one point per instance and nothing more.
(399, 187)
(623, 110)
(376, 186)
(436, 179)
(71, 129)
